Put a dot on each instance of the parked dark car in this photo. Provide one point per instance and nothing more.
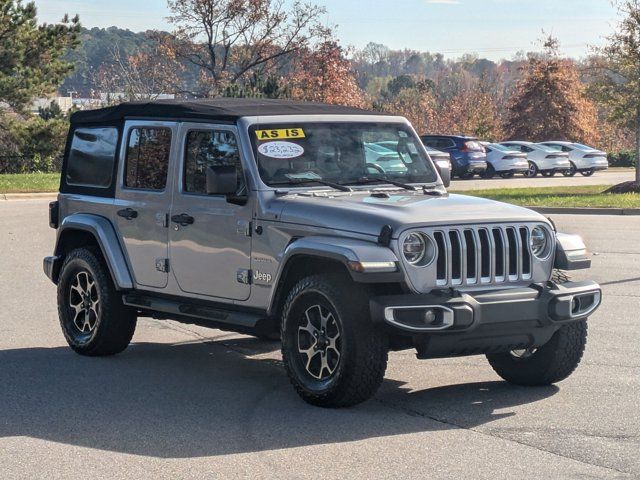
(467, 154)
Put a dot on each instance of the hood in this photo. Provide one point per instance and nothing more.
(363, 213)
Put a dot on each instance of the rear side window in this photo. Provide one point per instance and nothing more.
(147, 160)
(91, 157)
(206, 148)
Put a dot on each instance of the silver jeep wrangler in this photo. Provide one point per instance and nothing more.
(327, 227)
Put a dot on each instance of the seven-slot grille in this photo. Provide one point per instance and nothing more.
(482, 255)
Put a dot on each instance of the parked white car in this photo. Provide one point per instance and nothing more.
(542, 159)
(584, 159)
(504, 161)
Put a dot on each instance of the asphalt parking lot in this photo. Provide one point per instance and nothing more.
(187, 402)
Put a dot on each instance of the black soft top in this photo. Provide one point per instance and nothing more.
(222, 109)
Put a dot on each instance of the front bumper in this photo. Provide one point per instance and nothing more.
(454, 323)
(51, 267)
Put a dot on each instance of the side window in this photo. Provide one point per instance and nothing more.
(91, 157)
(565, 148)
(147, 160)
(205, 148)
(526, 149)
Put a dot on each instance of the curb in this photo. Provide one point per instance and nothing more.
(585, 211)
(28, 196)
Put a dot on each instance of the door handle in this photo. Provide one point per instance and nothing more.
(128, 213)
(183, 219)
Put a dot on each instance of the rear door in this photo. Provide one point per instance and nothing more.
(143, 197)
(210, 237)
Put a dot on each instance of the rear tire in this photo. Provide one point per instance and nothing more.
(93, 318)
(548, 173)
(466, 176)
(333, 354)
(587, 173)
(507, 175)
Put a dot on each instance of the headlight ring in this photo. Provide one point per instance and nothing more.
(418, 249)
(539, 242)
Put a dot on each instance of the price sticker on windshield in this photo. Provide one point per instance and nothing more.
(280, 134)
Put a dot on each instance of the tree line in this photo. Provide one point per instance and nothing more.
(273, 49)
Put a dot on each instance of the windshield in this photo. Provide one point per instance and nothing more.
(502, 148)
(554, 147)
(343, 153)
(582, 147)
(548, 148)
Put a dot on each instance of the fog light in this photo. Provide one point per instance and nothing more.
(575, 305)
(429, 317)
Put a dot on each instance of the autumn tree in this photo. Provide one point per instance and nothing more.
(549, 102)
(145, 75)
(417, 103)
(31, 56)
(472, 110)
(618, 82)
(323, 74)
(228, 41)
(32, 64)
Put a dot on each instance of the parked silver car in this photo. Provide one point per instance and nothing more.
(584, 159)
(504, 161)
(267, 217)
(542, 159)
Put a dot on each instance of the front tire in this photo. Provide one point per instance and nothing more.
(571, 172)
(549, 364)
(532, 172)
(333, 354)
(93, 318)
(489, 173)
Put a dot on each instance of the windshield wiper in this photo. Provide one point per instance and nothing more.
(299, 181)
(365, 180)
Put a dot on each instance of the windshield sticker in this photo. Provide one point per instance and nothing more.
(280, 150)
(280, 134)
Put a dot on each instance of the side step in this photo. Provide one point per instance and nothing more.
(196, 313)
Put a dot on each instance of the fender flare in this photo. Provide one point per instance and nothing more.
(342, 250)
(102, 230)
(571, 253)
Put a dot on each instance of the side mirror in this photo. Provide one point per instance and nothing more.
(222, 180)
(444, 169)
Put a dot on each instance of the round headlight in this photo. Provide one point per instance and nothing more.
(414, 248)
(418, 249)
(538, 241)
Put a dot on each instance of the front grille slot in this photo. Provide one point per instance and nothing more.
(441, 264)
(482, 256)
(456, 258)
(485, 254)
(471, 246)
(499, 254)
(514, 252)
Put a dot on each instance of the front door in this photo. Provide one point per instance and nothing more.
(143, 199)
(209, 237)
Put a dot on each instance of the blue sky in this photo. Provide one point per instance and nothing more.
(494, 29)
